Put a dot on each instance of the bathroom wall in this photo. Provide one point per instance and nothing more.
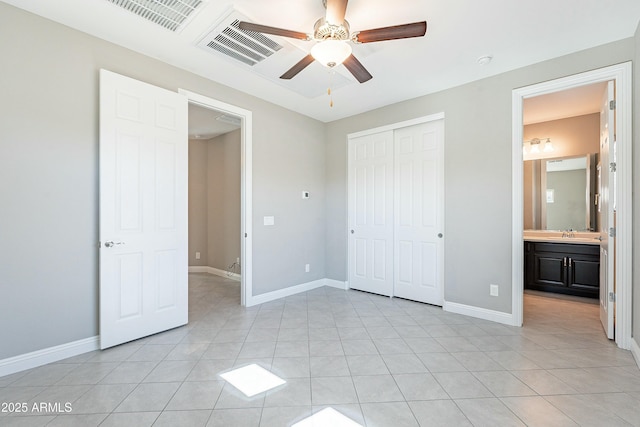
(573, 136)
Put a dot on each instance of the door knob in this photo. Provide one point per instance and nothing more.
(440, 235)
(110, 244)
(352, 231)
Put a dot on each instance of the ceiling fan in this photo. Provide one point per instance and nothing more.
(333, 34)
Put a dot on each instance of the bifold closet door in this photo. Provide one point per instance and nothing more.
(418, 201)
(371, 213)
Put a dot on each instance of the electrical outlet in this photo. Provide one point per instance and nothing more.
(493, 290)
(307, 268)
(238, 260)
(197, 255)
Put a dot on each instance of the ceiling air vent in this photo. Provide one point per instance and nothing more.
(245, 46)
(170, 14)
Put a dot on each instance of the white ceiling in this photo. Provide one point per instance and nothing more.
(515, 33)
(206, 124)
(567, 103)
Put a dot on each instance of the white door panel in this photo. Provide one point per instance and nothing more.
(396, 212)
(143, 209)
(605, 209)
(371, 213)
(418, 212)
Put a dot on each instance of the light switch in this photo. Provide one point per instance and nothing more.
(269, 220)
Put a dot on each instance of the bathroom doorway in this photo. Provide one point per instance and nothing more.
(526, 140)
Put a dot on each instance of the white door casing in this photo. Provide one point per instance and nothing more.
(246, 193)
(418, 212)
(606, 191)
(143, 209)
(371, 213)
(623, 260)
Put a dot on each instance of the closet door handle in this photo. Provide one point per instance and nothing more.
(565, 262)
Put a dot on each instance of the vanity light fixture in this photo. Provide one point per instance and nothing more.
(534, 146)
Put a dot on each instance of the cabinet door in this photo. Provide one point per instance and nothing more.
(584, 273)
(549, 269)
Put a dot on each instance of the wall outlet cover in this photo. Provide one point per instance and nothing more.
(493, 290)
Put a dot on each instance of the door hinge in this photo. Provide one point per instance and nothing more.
(612, 232)
(612, 105)
(612, 166)
(612, 297)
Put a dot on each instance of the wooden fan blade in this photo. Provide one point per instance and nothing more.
(405, 31)
(357, 69)
(248, 26)
(336, 9)
(301, 65)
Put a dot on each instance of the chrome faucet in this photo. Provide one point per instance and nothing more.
(568, 233)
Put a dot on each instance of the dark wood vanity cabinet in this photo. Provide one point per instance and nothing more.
(566, 268)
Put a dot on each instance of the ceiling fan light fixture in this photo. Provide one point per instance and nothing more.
(331, 52)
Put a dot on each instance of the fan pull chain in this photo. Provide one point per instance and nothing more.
(329, 89)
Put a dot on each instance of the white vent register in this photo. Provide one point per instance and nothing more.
(170, 14)
(245, 46)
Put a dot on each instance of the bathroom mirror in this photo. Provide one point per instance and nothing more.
(560, 193)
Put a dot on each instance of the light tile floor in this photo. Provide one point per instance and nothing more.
(380, 361)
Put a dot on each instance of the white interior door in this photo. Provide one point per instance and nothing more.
(605, 209)
(371, 213)
(418, 212)
(143, 209)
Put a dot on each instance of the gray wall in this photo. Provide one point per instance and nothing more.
(49, 179)
(214, 201)
(636, 190)
(223, 210)
(198, 201)
(477, 173)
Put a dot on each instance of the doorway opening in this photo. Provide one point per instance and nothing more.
(214, 192)
(220, 217)
(618, 299)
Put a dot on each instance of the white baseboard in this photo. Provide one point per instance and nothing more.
(336, 284)
(635, 351)
(286, 292)
(47, 355)
(480, 313)
(215, 271)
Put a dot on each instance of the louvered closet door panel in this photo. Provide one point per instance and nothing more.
(371, 213)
